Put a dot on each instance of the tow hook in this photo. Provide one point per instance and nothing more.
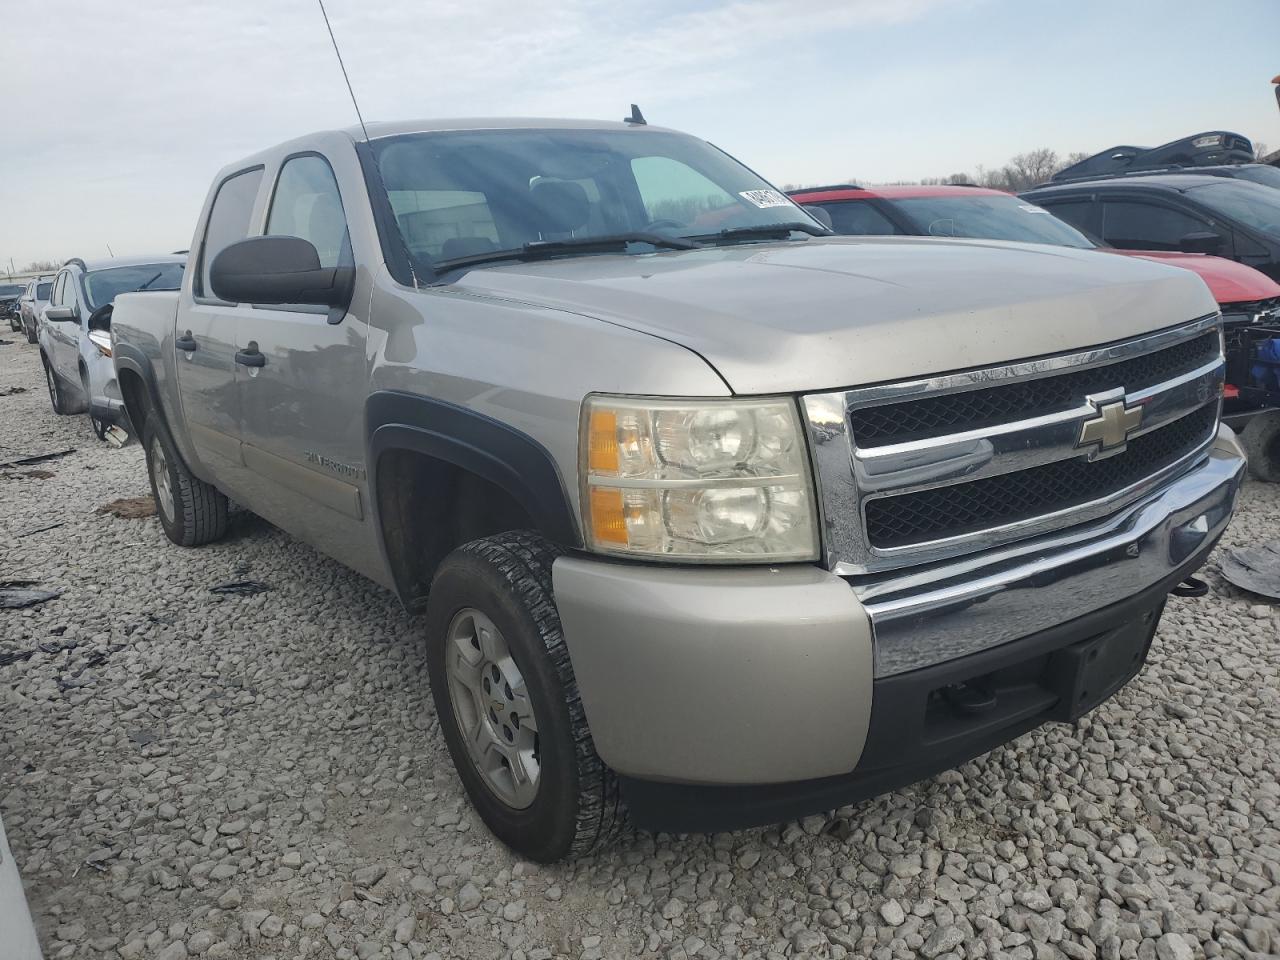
(1191, 587)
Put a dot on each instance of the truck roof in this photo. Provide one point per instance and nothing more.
(1177, 182)
(392, 128)
(106, 263)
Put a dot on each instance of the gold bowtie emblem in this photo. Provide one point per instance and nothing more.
(1110, 429)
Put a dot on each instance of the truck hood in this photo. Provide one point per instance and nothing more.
(1228, 281)
(821, 314)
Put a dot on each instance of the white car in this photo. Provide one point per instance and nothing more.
(16, 929)
(32, 303)
(74, 333)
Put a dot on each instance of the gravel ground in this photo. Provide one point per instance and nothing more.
(184, 774)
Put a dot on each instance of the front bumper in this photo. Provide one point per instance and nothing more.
(726, 698)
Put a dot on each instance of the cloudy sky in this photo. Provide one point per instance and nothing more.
(121, 112)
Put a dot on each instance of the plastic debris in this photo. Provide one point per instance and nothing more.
(16, 594)
(1256, 569)
(240, 588)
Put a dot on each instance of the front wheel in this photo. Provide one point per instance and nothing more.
(31, 332)
(191, 511)
(508, 702)
(1261, 441)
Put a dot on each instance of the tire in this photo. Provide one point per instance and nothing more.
(1261, 441)
(57, 395)
(576, 806)
(191, 511)
(30, 332)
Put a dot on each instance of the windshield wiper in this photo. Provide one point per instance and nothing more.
(767, 231)
(149, 282)
(537, 249)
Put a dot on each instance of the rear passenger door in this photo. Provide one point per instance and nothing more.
(204, 340)
(303, 380)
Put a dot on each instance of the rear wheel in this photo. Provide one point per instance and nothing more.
(191, 511)
(30, 331)
(508, 702)
(1261, 441)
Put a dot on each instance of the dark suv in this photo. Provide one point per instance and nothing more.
(9, 294)
(1190, 212)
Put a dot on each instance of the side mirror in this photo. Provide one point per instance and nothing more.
(61, 314)
(1203, 242)
(100, 319)
(278, 270)
(821, 214)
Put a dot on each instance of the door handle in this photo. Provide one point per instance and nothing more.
(250, 356)
(186, 343)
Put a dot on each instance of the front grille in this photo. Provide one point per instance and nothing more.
(968, 507)
(943, 414)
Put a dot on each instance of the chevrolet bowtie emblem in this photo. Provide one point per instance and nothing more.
(1110, 429)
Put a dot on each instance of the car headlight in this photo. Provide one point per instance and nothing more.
(711, 480)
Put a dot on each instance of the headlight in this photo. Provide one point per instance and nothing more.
(718, 480)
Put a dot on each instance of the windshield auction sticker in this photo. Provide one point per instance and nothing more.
(765, 198)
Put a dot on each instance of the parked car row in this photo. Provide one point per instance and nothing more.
(1219, 220)
(621, 419)
(69, 315)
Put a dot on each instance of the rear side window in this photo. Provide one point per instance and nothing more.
(1133, 225)
(228, 221)
(307, 205)
(858, 218)
(42, 290)
(56, 299)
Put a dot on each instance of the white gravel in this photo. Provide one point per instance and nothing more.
(187, 775)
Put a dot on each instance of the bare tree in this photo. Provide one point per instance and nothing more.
(1259, 150)
(41, 266)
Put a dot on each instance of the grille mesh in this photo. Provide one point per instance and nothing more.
(975, 409)
(967, 507)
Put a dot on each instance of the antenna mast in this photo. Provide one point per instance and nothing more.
(334, 41)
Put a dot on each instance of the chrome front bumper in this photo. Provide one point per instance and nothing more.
(923, 617)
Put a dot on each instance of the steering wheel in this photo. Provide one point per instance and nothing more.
(654, 225)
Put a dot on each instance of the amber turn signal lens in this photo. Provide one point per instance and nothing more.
(608, 519)
(602, 443)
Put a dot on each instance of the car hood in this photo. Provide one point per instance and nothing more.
(1230, 282)
(825, 313)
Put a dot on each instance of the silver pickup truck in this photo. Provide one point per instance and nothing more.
(714, 518)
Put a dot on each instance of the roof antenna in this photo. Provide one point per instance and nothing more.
(333, 39)
(636, 118)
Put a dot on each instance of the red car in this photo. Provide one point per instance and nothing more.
(1247, 297)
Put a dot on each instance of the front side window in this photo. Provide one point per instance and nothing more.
(455, 193)
(43, 289)
(1136, 225)
(1245, 202)
(858, 218)
(988, 218)
(228, 221)
(306, 204)
(103, 286)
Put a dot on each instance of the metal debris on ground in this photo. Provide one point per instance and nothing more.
(241, 588)
(50, 526)
(16, 594)
(1256, 569)
(130, 508)
(37, 458)
(117, 436)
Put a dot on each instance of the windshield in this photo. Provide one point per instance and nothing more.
(459, 194)
(10, 289)
(42, 290)
(1258, 173)
(102, 286)
(989, 218)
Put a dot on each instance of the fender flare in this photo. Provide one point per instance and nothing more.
(126, 356)
(479, 444)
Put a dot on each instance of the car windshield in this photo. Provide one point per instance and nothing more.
(10, 289)
(1253, 205)
(1260, 173)
(42, 290)
(461, 194)
(989, 218)
(102, 286)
